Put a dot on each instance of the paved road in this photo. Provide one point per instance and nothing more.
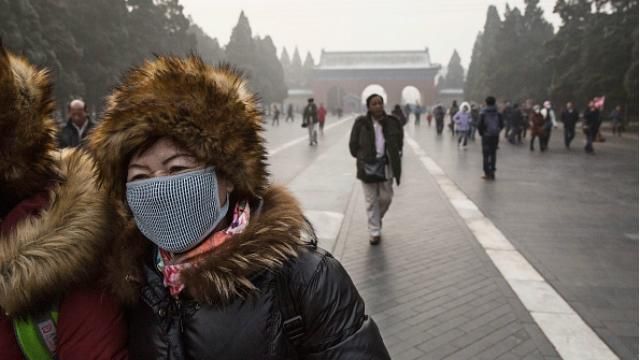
(433, 290)
(573, 216)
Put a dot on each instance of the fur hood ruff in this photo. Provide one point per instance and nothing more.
(48, 255)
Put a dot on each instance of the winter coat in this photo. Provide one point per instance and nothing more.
(322, 114)
(400, 116)
(362, 144)
(232, 307)
(482, 124)
(517, 119)
(69, 136)
(536, 124)
(569, 118)
(310, 114)
(462, 120)
(53, 243)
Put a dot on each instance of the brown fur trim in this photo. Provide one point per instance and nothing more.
(206, 110)
(48, 255)
(271, 238)
(27, 130)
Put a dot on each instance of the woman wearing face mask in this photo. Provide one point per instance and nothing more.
(216, 263)
(376, 143)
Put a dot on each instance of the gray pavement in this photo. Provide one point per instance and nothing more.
(573, 216)
(433, 290)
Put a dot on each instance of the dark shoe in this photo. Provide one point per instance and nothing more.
(375, 240)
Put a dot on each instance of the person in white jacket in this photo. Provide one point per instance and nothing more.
(549, 122)
(462, 120)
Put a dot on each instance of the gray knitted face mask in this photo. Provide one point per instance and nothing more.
(177, 212)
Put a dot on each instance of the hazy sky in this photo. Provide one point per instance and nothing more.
(440, 25)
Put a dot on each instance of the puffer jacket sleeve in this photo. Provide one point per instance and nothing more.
(336, 326)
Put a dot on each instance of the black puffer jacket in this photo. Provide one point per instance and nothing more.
(362, 144)
(335, 325)
(233, 303)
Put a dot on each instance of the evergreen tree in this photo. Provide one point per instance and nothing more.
(268, 81)
(240, 50)
(296, 70)
(472, 82)
(455, 72)
(307, 70)
(208, 48)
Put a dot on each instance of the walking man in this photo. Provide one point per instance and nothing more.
(289, 113)
(491, 123)
(569, 119)
(322, 115)
(310, 117)
(592, 125)
(438, 113)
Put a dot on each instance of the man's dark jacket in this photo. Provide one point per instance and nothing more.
(69, 136)
(362, 144)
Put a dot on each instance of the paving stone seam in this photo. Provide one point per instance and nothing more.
(572, 337)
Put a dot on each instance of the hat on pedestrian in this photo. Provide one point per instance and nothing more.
(27, 128)
(207, 110)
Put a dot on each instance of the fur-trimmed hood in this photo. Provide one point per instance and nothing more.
(206, 110)
(27, 130)
(46, 256)
(273, 236)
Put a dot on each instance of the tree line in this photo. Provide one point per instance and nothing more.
(88, 44)
(593, 53)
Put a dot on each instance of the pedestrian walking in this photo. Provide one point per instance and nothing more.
(309, 120)
(616, 120)
(536, 124)
(439, 113)
(56, 226)
(517, 122)
(507, 113)
(453, 110)
(376, 142)
(591, 126)
(489, 127)
(407, 110)
(216, 262)
(569, 118)
(289, 113)
(416, 112)
(549, 116)
(79, 125)
(322, 115)
(475, 119)
(399, 114)
(276, 116)
(462, 122)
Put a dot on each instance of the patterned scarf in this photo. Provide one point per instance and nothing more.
(171, 265)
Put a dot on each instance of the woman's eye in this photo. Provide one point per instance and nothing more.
(138, 177)
(177, 169)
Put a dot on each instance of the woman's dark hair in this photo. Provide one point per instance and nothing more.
(371, 97)
(490, 100)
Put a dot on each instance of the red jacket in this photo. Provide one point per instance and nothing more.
(90, 324)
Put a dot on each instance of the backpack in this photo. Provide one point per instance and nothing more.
(36, 335)
(492, 123)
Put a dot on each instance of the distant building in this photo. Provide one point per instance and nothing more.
(341, 77)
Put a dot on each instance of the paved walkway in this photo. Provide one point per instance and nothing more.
(430, 285)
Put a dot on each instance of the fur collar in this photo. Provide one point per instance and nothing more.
(272, 237)
(48, 255)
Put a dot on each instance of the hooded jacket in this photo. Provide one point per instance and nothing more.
(55, 225)
(232, 306)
